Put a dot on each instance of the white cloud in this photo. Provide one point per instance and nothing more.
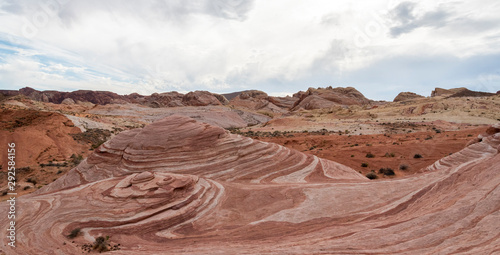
(227, 45)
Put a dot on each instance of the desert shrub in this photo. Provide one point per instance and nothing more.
(101, 244)
(386, 171)
(268, 114)
(369, 155)
(403, 167)
(389, 155)
(32, 180)
(371, 175)
(76, 159)
(364, 164)
(417, 156)
(74, 233)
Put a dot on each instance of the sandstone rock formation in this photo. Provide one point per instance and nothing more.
(180, 186)
(470, 93)
(446, 92)
(328, 97)
(168, 99)
(189, 147)
(403, 96)
(42, 136)
(257, 100)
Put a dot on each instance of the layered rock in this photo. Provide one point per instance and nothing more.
(42, 137)
(470, 93)
(328, 97)
(446, 92)
(180, 144)
(404, 96)
(168, 99)
(255, 100)
(179, 186)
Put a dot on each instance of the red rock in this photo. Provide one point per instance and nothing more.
(283, 102)
(200, 98)
(178, 186)
(404, 96)
(446, 92)
(328, 97)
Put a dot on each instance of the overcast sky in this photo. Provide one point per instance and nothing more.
(279, 46)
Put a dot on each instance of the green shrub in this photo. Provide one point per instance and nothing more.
(364, 164)
(369, 155)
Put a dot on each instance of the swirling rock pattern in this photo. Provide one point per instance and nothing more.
(179, 186)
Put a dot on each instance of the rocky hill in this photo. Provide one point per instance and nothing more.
(168, 99)
(403, 96)
(328, 97)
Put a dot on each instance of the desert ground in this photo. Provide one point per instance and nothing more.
(325, 171)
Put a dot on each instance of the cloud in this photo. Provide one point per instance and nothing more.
(227, 45)
(421, 74)
(406, 19)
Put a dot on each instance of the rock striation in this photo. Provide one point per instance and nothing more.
(328, 97)
(259, 100)
(446, 92)
(156, 100)
(179, 186)
(180, 144)
(404, 96)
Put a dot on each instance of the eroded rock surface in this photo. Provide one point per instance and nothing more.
(328, 97)
(180, 186)
(403, 96)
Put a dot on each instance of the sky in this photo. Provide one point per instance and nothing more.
(380, 47)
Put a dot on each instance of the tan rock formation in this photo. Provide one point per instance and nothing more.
(446, 92)
(403, 96)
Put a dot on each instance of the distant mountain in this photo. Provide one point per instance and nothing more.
(168, 99)
(312, 98)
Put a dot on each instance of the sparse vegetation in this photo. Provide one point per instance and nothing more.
(32, 180)
(364, 164)
(268, 114)
(101, 244)
(389, 155)
(403, 167)
(371, 175)
(417, 156)
(370, 155)
(386, 171)
(76, 159)
(74, 233)
(94, 136)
